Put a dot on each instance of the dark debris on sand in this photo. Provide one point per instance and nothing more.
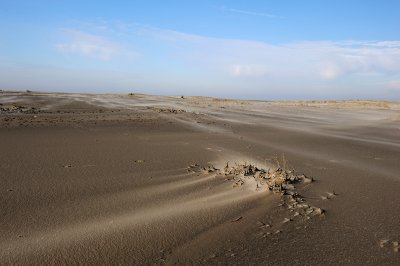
(18, 109)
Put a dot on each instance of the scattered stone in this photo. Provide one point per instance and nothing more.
(319, 211)
(309, 211)
(194, 168)
(331, 194)
(383, 242)
(210, 169)
(170, 110)
(277, 180)
(261, 224)
(13, 109)
(238, 183)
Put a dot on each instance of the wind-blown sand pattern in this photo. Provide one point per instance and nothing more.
(141, 179)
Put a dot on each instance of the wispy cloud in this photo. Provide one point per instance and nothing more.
(249, 70)
(350, 68)
(253, 13)
(90, 45)
(316, 60)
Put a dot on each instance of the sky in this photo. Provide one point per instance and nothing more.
(260, 50)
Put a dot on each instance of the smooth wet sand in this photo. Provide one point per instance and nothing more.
(103, 179)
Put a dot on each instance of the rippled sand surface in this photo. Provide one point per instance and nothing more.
(138, 179)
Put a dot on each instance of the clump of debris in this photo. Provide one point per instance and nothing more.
(168, 110)
(277, 180)
(13, 108)
(196, 168)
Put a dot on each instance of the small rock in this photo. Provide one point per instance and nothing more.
(319, 211)
(383, 242)
(331, 194)
(309, 211)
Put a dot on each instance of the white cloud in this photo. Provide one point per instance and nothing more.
(248, 70)
(309, 69)
(89, 45)
(330, 72)
(310, 60)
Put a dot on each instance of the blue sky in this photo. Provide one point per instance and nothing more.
(265, 50)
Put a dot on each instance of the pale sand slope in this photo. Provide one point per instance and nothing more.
(127, 196)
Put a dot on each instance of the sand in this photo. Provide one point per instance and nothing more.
(140, 179)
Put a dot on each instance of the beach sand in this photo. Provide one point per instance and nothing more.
(132, 179)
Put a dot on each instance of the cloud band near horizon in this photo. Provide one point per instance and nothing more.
(199, 64)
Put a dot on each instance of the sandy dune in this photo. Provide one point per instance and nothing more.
(119, 179)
